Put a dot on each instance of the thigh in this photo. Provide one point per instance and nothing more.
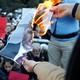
(66, 52)
(54, 52)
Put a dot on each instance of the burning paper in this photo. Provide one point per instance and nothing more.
(42, 16)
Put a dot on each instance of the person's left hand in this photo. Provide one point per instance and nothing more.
(29, 64)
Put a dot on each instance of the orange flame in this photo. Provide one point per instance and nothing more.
(54, 2)
(40, 13)
(51, 2)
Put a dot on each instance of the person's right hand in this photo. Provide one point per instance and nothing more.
(62, 10)
(29, 64)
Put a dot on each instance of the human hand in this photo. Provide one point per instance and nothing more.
(62, 10)
(29, 64)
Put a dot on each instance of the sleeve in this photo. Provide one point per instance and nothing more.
(3, 76)
(48, 71)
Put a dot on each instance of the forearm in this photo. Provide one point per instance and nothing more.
(47, 71)
(77, 11)
(77, 15)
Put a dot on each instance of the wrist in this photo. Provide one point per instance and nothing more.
(36, 65)
(70, 8)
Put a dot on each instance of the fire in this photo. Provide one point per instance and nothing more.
(51, 2)
(55, 2)
(41, 12)
(47, 4)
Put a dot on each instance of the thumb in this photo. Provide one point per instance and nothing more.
(24, 61)
(53, 8)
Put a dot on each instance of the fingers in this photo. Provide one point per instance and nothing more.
(26, 65)
(53, 8)
(29, 64)
(24, 61)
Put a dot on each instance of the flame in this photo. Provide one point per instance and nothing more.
(54, 2)
(40, 12)
(48, 3)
